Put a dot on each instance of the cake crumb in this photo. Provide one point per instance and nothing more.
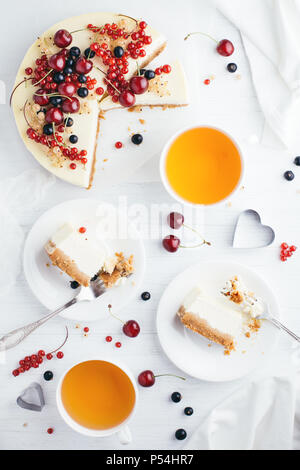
(243, 352)
(209, 345)
(226, 352)
(142, 121)
(247, 334)
(105, 159)
(229, 204)
(77, 326)
(238, 76)
(48, 265)
(25, 425)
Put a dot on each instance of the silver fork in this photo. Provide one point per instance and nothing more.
(12, 339)
(267, 316)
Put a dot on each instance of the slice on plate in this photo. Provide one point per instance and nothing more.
(83, 257)
(222, 320)
(66, 74)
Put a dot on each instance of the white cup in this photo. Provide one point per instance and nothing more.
(122, 430)
(165, 152)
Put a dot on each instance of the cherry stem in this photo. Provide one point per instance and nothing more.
(204, 242)
(170, 375)
(203, 34)
(62, 345)
(12, 93)
(113, 315)
(78, 30)
(104, 73)
(51, 70)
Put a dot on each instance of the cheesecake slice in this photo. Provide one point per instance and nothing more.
(83, 257)
(210, 319)
(166, 90)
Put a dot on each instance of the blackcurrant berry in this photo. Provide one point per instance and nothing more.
(74, 52)
(89, 54)
(82, 79)
(82, 92)
(69, 122)
(68, 70)
(58, 77)
(74, 284)
(48, 375)
(118, 52)
(149, 74)
(146, 295)
(232, 67)
(70, 62)
(289, 175)
(176, 397)
(48, 129)
(73, 139)
(137, 139)
(56, 100)
(180, 434)
(188, 411)
(297, 161)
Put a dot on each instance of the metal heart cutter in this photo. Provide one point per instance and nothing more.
(250, 232)
(32, 398)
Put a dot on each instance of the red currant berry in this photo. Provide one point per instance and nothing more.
(62, 38)
(171, 243)
(143, 24)
(167, 68)
(118, 344)
(86, 329)
(99, 91)
(15, 373)
(28, 71)
(225, 48)
(131, 328)
(60, 355)
(293, 248)
(108, 339)
(49, 356)
(207, 81)
(158, 71)
(284, 246)
(73, 166)
(22, 363)
(118, 145)
(50, 430)
(82, 230)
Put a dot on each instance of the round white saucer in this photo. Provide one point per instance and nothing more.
(190, 351)
(52, 287)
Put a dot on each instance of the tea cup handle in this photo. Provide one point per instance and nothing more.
(125, 436)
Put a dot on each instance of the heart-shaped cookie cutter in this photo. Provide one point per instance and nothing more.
(250, 232)
(32, 398)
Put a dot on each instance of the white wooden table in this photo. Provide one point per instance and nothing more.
(229, 103)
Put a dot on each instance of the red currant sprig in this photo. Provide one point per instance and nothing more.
(286, 251)
(35, 360)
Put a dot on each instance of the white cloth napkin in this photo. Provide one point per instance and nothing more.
(17, 196)
(271, 36)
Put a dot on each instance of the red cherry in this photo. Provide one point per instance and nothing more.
(41, 100)
(71, 105)
(139, 85)
(131, 328)
(225, 48)
(54, 115)
(62, 38)
(127, 99)
(146, 378)
(57, 62)
(175, 220)
(66, 89)
(83, 66)
(171, 243)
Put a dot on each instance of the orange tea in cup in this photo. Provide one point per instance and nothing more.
(97, 394)
(203, 165)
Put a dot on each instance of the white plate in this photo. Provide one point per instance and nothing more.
(52, 287)
(189, 351)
